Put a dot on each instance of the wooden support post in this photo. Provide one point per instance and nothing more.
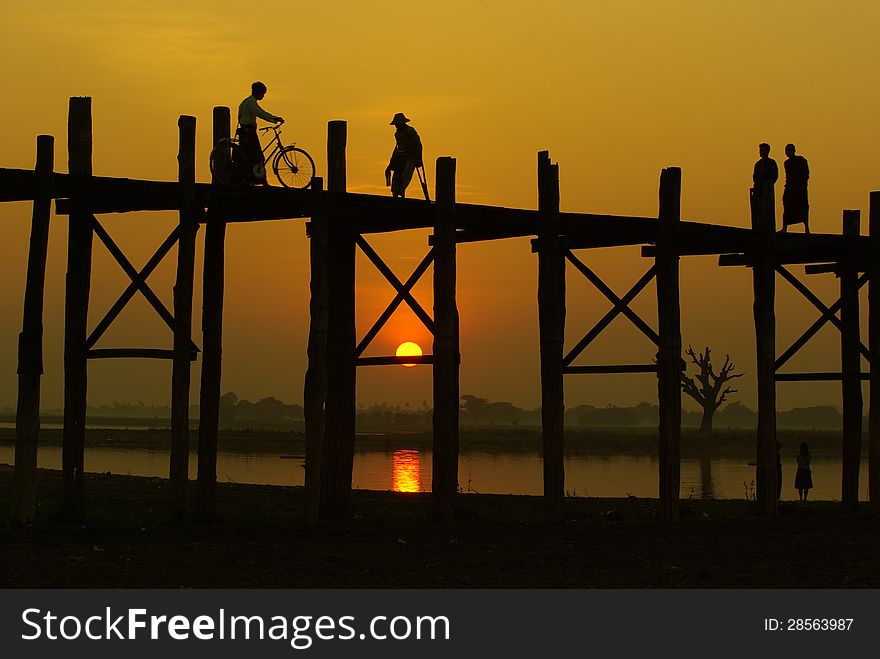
(551, 321)
(338, 457)
(183, 300)
(669, 346)
(315, 391)
(764, 282)
(444, 485)
(76, 310)
(212, 336)
(874, 348)
(850, 361)
(30, 341)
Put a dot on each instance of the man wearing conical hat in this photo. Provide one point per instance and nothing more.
(407, 155)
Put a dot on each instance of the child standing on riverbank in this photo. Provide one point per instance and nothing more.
(803, 479)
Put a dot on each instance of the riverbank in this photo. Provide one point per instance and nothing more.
(500, 541)
(578, 441)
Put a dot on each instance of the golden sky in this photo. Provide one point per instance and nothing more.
(616, 91)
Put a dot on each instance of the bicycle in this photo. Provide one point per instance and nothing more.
(293, 166)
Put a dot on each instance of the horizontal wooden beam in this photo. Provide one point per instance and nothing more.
(472, 236)
(709, 249)
(725, 260)
(19, 185)
(821, 268)
(134, 353)
(815, 263)
(394, 360)
(814, 377)
(613, 368)
(375, 214)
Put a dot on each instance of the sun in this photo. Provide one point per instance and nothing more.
(408, 349)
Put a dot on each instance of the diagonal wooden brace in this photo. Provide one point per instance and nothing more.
(828, 315)
(392, 307)
(138, 281)
(395, 282)
(621, 305)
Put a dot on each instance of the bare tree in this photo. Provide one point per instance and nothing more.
(708, 388)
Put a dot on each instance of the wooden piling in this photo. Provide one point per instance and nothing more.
(183, 300)
(874, 349)
(850, 361)
(212, 335)
(444, 485)
(76, 309)
(315, 390)
(764, 285)
(338, 456)
(669, 347)
(551, 322)
(30, 341)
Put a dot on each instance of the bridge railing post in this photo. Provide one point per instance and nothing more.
(212, 334)
(76, 311)
(850, 362)
(338, 456)
(30, 341)
(183, 301)
(446, 347)
(874, 349)
(669, 348)
(551, 322)
(764, 285)
(315, 390)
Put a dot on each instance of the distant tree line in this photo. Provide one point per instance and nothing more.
(475, 411)
(234, 411)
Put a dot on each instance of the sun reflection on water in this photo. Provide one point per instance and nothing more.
(407, 471)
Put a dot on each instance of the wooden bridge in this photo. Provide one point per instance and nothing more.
(340, 223)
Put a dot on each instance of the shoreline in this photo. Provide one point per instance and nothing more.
(594, 441)
(497, 541)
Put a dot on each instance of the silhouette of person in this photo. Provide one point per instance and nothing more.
(248, 111)
(795, 204)
(764, 176)
(778, 472)
(803, 479)
(766, 172)
(406, 156)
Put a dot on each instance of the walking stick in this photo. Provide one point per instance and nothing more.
(423, 179)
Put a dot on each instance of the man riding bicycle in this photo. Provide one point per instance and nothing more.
(248, 111)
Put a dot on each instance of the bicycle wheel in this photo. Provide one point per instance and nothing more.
(229, 163)
(294, 168)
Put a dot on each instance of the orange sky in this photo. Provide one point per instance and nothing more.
(616, 91)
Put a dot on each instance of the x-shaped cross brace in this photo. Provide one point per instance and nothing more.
(138, 282)
(621, 306)
(403, 292)
(828, 315)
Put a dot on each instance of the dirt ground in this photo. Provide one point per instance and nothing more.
(497, 542)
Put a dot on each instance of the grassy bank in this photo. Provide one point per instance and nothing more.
(500, 541)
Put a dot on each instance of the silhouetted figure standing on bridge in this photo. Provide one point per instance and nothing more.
(405, 158)
(248, 111)
(795, 203)
(765, 175)
(766, 172)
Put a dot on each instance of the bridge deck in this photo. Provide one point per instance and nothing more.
(376, 214)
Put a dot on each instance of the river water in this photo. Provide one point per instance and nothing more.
(496, 472)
